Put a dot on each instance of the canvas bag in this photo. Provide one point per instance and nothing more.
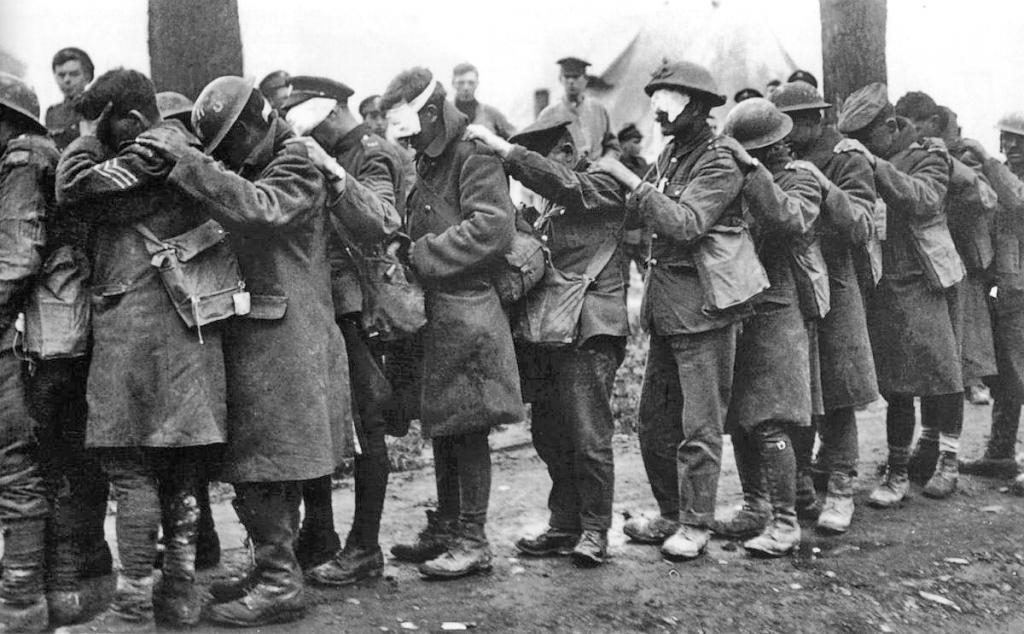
(57, 311)
(728, 267)
(200, 273)
(393, 302)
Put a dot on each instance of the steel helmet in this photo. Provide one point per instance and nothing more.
(798, 95)
(174, 104)
(218, 107)
(1012, 122)
(15, 95)
(685, 76)
(757, 123)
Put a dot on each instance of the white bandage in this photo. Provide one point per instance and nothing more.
(404, 117)
(306, 116)
(671, 102)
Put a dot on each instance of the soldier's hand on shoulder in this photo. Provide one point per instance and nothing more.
(170, 142)
(853, 145)
(743, 158)
(477, 132)
(976, 148)
(319, 157)
(823, 180)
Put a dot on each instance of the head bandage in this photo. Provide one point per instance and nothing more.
(309, 114)
(404, 118)
(671, 102)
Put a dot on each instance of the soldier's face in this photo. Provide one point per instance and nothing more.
(880, 138)
(465, 86)
(70, 78)
(631, 147)
(574, 84)
(927, 127)
(1012, 146)
(806, 129)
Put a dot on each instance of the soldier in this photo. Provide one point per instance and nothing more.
(155, 390)
(461, 220)
(771, 396)
(847, 367)
(370, 199)
(373, 117)
(276, 87)
(804, 76)
(571, 388)
(274, 205)
(27, 161)
(465, 79)
(591, 124)
(694, 187)
(72, 70)
(629, 138)
(746, 93)
(1008, 304)
(909, 317)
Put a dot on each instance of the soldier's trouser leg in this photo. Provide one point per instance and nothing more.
(466, 458)
(839, 450)
(371, 484)
(778, 462)
(24, 505)
(899, 430)
(1002, 440)
(944, 413)
(318, 506)
(687, 385)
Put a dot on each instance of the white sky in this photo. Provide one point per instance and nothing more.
(966, 54)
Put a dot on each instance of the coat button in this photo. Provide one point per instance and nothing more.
(427, 207)
(652, 261)
(654, 236)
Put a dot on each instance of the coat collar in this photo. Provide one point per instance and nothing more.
(682, 147)
(351, 139)
(822, 150)
(264, 152)
(454, 125)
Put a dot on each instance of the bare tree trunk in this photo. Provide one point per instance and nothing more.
(852, 45)
(192, 42)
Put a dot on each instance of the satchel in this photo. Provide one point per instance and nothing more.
(811, 276)
(200, 273)
(57, 310)
(550, 314)
(522, 267)
(936, 253)
(727, 264)
(393, 303)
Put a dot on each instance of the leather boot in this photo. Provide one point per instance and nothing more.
(688, 542)
(225, 590)
(22, 606)
(999, 460)
(943, 482)
(431, 542)
(176, 602)
(350, 565)
(131, 610)
(469, 553)
(269, 512)
(782, 535)
(923, 460)
(591, 550)
(895, 484)
(756, 511)
(837, 513)
(551, 543)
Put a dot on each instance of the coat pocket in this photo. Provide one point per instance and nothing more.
(58, 311)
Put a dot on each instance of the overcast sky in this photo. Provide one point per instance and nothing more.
(967, 54)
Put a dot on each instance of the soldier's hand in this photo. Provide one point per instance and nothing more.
(823, 180)
(323, 161)
(976, 148)
(613, 167)
(853, 145)
(477, 132)
(168, 141)
(90, 127)
(739, 152)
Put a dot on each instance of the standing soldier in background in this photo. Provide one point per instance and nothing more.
(687, 384)
(368, 189)
(465, 79)
(373, 117)
(848, 378)
(909, 318)
(629, 140)
(286, 426)
(155, 391)
(461, 221)
(591, 125)
(1008, 303)
(27, 162)
(72, 70)
(275, 88)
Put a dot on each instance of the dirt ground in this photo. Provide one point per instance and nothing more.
(968, 550)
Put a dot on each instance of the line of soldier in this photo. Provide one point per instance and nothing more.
(840, 280)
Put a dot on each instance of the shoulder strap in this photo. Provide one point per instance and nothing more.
(153, 244)
(603, 256)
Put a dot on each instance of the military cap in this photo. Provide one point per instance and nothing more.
(685, 76)
(629, 131)
(306, 87)
(274, 80)
(541, 135)
(862, 107)
(746, 93)
(804, 76)
(798, 95)
(573, 66)
(20, 99)
(1012, 122)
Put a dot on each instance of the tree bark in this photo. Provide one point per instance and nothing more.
(852, 46)
(192, 42)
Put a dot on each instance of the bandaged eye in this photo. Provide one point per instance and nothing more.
(671, 102)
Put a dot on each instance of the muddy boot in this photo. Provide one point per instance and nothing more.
(66, 606)
(22, 606)
(431, 542)
(978, 394)
(348, 566)
(943, 482)
(225, 590)
(650, 530)
(131, 611)
(269, 513)
(999, 460)
(469, 553)
(756, 511)
(782, 535)
(591, 550)
(176, 602)
(923, 460)
(688, 542)
(551, 543)
(837, 513)
(895, 484)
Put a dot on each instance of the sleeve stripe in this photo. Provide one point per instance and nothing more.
(108, 172)
(131, 178)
